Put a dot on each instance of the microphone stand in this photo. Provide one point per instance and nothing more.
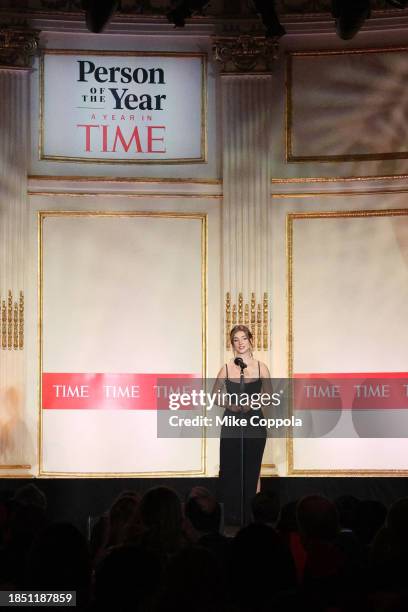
(241, 390)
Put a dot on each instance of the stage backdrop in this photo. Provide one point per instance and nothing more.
(122, 300)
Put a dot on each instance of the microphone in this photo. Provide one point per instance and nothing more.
(240, 363)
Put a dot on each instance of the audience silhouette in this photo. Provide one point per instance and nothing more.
(151, 553)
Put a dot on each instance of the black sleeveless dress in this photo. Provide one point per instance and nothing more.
(241, 451)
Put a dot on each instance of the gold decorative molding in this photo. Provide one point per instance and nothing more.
(324, 194)
(258, 327)
(338, 179)
(240, 309)
(21, 321)
(12, 322)
(265, 322)
(125, 194)
(245, 54)
(125, 179)
(227, 318)
(316, 7)
(18, 46)
(133, 9)
(254, 316)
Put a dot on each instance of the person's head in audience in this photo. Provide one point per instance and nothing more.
(287, 522)
(59, 560)
(265, 507)
(162, 517)
(193, 581)
(317, 519)
(347, 510)
(370, 517)
(203, 511)
(161, 509)
(127, 578)
(263, 563)
(31, 495)
(124, 517)
(397, 523)
(25, 521)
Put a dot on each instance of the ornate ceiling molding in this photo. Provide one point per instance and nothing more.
(302, 7)
(221, 8)
(245, 54)
(18, 46)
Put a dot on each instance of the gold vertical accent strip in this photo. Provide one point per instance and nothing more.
(3, 325)
(15, 326)
(288, 111)
(204, 107)
(204, 324)
(265, 322)
(227, 319)
(21, 322)
(259, 328)
(246, 315)
(10, 321)
(240, 309)
(234, 314)
(289, 289)
(253, 328)
(40, 285)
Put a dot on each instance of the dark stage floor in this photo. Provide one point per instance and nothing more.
(76, 500)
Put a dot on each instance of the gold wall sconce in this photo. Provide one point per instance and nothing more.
(12, 323)
(252, 314)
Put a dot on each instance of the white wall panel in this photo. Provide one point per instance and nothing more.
(125, 293)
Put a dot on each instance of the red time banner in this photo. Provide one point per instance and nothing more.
(105, 391)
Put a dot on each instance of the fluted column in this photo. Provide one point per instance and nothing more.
(16, 49)
(246, 111)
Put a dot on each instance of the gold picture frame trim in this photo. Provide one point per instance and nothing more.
(15, 467)
(96, 160)
(322, 194)
(203, 217)
(337, 179)
(289, 155)
(126, 194)
(125, 179)
(290, 217)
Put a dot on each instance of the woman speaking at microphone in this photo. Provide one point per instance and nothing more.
(242, 445)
